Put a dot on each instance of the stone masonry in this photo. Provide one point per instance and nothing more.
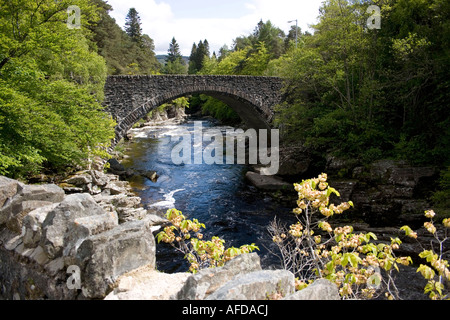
(129, 98)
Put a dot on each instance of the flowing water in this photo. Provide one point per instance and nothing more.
(216, 195)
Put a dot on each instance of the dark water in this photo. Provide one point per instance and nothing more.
(216, 195)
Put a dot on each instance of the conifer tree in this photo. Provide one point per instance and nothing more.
(133, 26)
(174, 51)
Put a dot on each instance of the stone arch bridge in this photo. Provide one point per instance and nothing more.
(129, 98)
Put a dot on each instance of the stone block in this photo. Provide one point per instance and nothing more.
(321, 289)
(103, 258)
(33, 225)
(207, 281)
(58, 222)
(256, 286)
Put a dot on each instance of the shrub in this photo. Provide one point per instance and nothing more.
(185, 236)
(437, 269)
(313, 249)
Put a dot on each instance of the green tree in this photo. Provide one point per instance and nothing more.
(197, 57)
(50, 101)
(175, 63)
(369, 94)
(193, 68)
(133, 26)
(122, 55)
(174, 51)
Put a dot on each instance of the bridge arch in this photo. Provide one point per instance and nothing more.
(130, 98)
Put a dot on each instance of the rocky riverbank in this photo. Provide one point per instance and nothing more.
(94, 222)
(90, 238)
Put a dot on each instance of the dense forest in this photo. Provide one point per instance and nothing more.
(351, 90)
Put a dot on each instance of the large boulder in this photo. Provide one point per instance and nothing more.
(205, 282)
(321, 289)
(27, 199)
(106, 256)
(148, 284)
(257, 285)
(59, 223)
(8, 189)
(294, 160)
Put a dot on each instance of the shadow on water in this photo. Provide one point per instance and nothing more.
(216, 195)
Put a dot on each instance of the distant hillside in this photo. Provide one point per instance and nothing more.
(162, 59)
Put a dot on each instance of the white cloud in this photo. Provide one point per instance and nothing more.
(161, 24)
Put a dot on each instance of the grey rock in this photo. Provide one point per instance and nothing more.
(83, 227)
(58, 222)
(269, 183)
(131, 214)
(8, 188)
(144, 284)
(106, 256)
(45, 192)
(207, 281)
(20, 210)
(115, 167)
(29, 197)
(80, 179)
(33, 225)
(256, 286)
(99, 178)
(321, 289)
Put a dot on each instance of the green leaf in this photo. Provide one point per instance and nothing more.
(429, 255)
(350, 278)
(372, 235)
(330, 267)
(408, 231)
(160, 235)
(426, 272)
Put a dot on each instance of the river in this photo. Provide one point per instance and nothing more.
(216, 195)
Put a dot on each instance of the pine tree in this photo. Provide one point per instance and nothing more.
(174, 51)
(175, 63)
(192, 65)
(133, 26)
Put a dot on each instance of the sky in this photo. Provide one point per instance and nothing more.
(220, 22)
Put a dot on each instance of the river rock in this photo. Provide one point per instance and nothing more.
(81, 179)
(206, 281)
(257, 285)
(99, 178)
(115, 167)
(59, 221)
(294, 160)
(107, 256)
(270, 183)
(321, 289)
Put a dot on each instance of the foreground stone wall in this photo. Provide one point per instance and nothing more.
(55, 245)
(130, 98)
(89, 238)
